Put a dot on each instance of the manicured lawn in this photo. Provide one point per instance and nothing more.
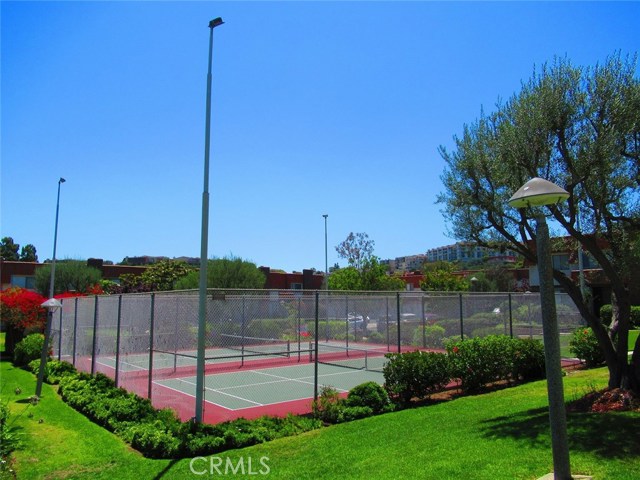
(501, 435)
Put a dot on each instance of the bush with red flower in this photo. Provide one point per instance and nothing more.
(20, 313)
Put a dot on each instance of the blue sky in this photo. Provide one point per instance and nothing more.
(317, 107)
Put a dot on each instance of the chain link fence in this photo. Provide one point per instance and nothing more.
(144, 340)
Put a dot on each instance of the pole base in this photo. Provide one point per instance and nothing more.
(549, 476)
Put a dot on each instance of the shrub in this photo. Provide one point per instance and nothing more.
(584, 346)
(480, 361)
(28, 349)
(416, 374)
(528, 359)
(429, 336)
(606, 315)
(328, 405)
(153, 440)
(370, 395)
(9, 439)
(54, 370)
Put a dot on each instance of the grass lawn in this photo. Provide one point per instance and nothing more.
(500, 435)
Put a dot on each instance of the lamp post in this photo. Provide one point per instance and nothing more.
(539, 192)
(326, 264)
(204, 239)
(52, 304)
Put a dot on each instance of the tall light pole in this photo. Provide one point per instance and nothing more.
(51, 305)
(539, 192)
(326, 264)
(204, 239)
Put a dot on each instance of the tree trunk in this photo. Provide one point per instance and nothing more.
(12, 337)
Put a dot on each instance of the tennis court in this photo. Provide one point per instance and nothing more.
(261, 387)
(254, 378)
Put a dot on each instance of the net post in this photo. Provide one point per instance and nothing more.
(386, 319)
(151, 320)
(95, 335)
(119, 322)
(75, 331)
(315, 365)
(398, 321)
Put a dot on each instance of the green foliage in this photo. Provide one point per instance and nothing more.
(371, 395)
(28, 253)
(584, 345)
(228, 272)
(9, 249)
(429, 336)
(440, 277)
(28, 349)
(606, 315)
(328, 405)
(165, 275)
(159, 433)
(70, 276)
(367, 400)
(153, 440)
(478, 362)
(371, 276)
(528, 359)
(345, 279)
(416, 374)
(54, 370)
(9, 437)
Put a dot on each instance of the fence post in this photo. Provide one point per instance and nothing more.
(75, 331)
(60, 334)
(461, 318)
(510, 317)
(424, 325)
(386, 319)
(150, 384)
(95, 335)
(346, 319)
(315, 365)
(398, 321)
(118, 339)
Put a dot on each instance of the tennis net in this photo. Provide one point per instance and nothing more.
(352, 357)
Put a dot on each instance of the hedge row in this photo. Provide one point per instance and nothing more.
(159, 433)
(475, 363)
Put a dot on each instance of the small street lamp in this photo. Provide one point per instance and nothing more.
(52, 304)
(538, 192)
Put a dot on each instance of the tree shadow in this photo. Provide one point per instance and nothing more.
(607, 435)
(166, 469)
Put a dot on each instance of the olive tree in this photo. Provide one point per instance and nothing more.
(578, 127)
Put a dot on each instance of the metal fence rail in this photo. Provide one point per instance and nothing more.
(140, 340)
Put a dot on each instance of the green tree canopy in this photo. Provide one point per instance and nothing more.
(28, 254)
(9, 249)
(70, 276)
(228, 272)
(372, 276)
(579, 128)
(164, 275)
(441, 277)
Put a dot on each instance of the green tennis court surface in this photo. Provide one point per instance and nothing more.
(255, 388)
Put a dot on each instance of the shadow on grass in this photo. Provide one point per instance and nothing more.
(608, 435)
